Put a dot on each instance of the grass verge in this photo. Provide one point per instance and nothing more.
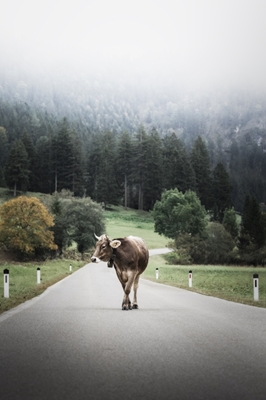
(121, 222)
(23, 280)
(226, 282)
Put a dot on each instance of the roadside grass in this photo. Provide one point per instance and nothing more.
(231, 283)
(23, 280)
(121, 223)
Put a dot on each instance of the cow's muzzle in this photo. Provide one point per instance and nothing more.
(95, 259)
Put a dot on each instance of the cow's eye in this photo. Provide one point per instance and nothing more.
(103, 246)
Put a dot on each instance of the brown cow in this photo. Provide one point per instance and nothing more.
(129, 256)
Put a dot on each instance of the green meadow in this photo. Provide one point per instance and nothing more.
(226, 282)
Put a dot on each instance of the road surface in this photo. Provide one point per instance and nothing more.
(74, 342)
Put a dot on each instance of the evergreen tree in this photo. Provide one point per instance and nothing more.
(78, 166)
(62, 157)
(152, 182)
(92, 165)
(29, 146)
(44, 166)
(107, 188)
(139, 170)
(17, 167)
(3, 146)
(252, 225)
(125, 165)
(221, 191)
(201, 164)
(177, 169)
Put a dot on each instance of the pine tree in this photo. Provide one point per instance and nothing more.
(3, 146)
(221, 191)
(17, 167)
(107, 188)
(44, 166)
(139, 170)
(201, 165)
(252, 225)
(125, 165)
(29, 146)
(177, 169)
(78, 166)
(62, 158)
(152, 181)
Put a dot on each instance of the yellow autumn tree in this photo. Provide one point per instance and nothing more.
(25, 225)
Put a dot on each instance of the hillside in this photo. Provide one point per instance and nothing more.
(97, 102)
(231, 121)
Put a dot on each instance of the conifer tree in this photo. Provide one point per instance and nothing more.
(201, 165)
(125, 165)
(152, 181)
(177, 169)
(139, 171)
(252, 226)
(107, 188)
(62, 157)
(17, 167)
(44, 165)
(78, 166)
(29, 146)
(3, 146)
(221, 191)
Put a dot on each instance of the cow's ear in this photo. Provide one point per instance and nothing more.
(115, 243)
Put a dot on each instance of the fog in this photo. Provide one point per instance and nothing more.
(193, 42)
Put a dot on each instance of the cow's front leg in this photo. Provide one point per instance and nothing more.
(126, 305)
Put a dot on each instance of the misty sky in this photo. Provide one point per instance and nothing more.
(186, 40)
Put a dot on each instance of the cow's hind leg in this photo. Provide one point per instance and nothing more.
(136, 285)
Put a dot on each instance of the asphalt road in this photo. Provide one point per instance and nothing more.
(75, 342)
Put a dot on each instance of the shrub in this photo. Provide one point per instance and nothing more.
(25, 226)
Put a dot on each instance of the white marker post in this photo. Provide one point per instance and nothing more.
(190, 279)
(38, 275)
(157, 273)
(6, 283)
(70, 268)
(256, 287)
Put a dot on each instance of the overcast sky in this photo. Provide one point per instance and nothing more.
(188, 40)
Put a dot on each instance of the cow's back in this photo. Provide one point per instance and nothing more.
(134, 248)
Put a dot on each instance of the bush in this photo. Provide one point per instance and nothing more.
(25, 226)
(217, 248)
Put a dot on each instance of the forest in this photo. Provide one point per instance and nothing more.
(39, 152)
(128, 145)
(125, 142)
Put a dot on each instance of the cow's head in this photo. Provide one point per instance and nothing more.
(104, 248)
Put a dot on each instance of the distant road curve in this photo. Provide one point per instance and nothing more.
(155, 252)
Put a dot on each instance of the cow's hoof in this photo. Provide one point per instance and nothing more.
(135, 306)
(124, 308)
